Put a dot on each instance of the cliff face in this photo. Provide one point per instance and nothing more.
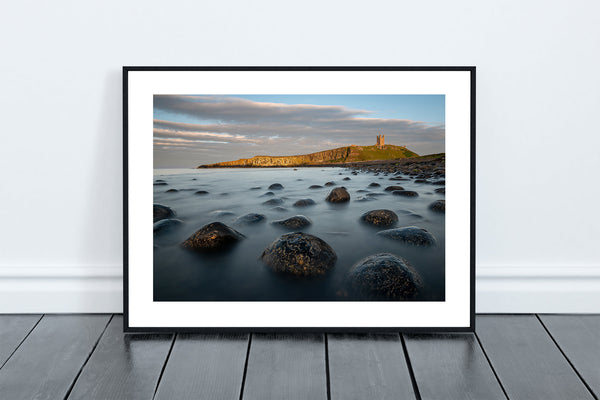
(333, 156)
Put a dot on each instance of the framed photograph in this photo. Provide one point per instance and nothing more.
(299, 198)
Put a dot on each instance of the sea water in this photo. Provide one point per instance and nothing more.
(237, 274)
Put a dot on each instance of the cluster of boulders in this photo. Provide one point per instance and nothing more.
(382, 276)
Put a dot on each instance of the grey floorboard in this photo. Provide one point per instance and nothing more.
(579, 338)
(46, 364)
(13, 329)
(526, 360)
(451, 366)
(205, 367)
(123, 366)
(286, 366)
(368, 366)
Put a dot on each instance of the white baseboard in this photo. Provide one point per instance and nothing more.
(539, 289)
(508, 289)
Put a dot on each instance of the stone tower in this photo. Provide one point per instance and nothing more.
(380, 141)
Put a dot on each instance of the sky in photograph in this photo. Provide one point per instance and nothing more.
(190, 130)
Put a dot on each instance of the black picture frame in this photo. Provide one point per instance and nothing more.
(127, 328)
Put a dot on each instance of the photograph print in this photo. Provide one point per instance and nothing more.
(321, 200)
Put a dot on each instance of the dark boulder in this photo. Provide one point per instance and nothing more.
(382, 218)
(165, 225)
(267, 194)
(438, 206)
(276, 186)
(295, 222)
(162, 212)
(273, 202)
(304, 203)
(250, 219)
(338, 195)
(330, 184)
(315, 187)
(393, 188)
(384, 276)
(440, 190)
(410, 235)
(439, 183)
(172, 191)
(160, 184)
(347, 178)
(213, 237)
(201, 192)
(405, 193)
(374, 184)
(421, 181)
(299, 254)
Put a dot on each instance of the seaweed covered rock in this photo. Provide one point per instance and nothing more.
(381, 218)
(295, 222)
(304, 203)
(165, 225)
(250, 219)
(384, 276)
(338, 195)
(411, 235)
(215, 236)
(438, 206)
(299, 254)
(162, 212)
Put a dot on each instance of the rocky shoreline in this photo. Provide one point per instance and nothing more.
(380, 276)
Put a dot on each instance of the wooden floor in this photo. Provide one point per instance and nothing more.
(510, 356)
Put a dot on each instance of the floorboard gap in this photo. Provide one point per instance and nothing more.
(410, 369)
(567, 358)
(162, 371)
(246, 366)
(491, 366)
(327, 375)
(21, 342)
(87, 358)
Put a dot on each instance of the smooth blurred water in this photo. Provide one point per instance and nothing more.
(239, 275)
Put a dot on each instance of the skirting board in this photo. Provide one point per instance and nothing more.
(505, 289)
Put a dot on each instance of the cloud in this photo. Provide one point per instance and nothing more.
(237, 128)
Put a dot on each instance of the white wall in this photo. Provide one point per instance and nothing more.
(538, 100)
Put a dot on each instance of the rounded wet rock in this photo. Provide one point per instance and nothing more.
(438, 206)
(250, 219)
(201, 192)
(347, 178)
(304, 203)
(405, 193)
(382, 218)
(299, 254)
(215, 236)
(162, 212)
(276, 186)
(410, 235)
(172, 191)
(441, 190)
(330, 184)
(295, 222)
(273, 202)
(393, 188)
(315, 187)
(374, 184)
(384, 276)
(165, 225)
(338, 195)
(267, 194)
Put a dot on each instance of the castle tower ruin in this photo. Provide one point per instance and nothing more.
(380, 141)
